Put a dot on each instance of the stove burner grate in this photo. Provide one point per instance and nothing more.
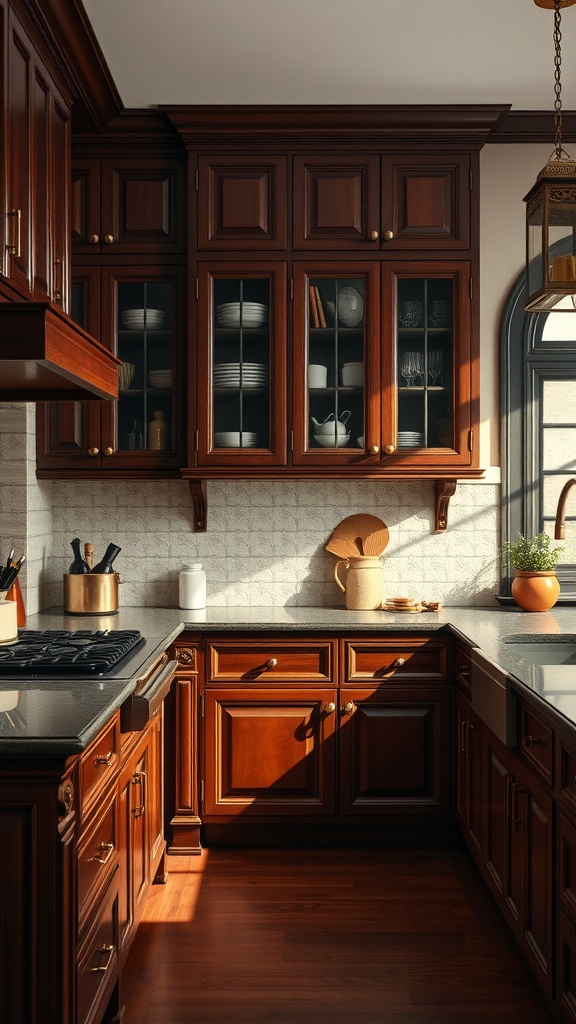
(85, 651)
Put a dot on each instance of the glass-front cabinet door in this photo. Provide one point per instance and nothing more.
(242, 365)
(145, 429)
(139, 316)
(429, 422)
(336, 414)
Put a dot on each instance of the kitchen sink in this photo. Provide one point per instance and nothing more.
(543, 648)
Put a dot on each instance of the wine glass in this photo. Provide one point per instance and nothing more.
(434, 367)
(409, 368)
(410, 313)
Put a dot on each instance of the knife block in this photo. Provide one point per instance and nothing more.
(91, 593)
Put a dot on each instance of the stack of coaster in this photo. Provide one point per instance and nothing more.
(402, 604)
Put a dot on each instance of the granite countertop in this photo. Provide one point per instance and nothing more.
(60, 718)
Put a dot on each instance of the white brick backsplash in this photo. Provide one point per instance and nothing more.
(265, 542)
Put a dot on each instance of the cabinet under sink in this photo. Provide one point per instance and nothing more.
(492, 698)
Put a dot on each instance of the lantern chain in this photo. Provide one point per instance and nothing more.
(557, 82)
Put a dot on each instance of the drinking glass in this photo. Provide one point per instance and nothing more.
(439, 315)
(410, 313)
(434, 367)
(409, 368)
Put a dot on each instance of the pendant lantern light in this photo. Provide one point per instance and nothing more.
(551, 211)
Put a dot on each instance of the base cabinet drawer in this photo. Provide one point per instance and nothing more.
(269, 661)
(372, 660)
(98, 958)
(97, 855)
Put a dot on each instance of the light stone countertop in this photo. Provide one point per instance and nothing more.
(66, 715)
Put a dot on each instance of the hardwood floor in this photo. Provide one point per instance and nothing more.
(341, 936)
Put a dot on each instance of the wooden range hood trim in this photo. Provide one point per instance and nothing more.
(45, 356)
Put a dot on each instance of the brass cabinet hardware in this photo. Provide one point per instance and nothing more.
(93, 452)
(93, 239)
(530, 741)
(330, 707)
(58, 279)
(348, 708)
(108, 239)
(373, 236)
(374, 449)
(138, 780)
(109, 951)
(103, 854)
(272, 662)
(388, 236)
(399, 662)
(104, 758)
(389, 449)
(14, 248)
(108, 451)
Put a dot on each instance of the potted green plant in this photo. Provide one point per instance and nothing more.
(535, 586)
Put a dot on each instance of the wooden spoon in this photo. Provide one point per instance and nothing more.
(348, 538)
(375, 543)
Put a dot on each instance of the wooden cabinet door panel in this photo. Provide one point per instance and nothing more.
(395, 751)
(20, 63)
(242, 202)
(504, 838)
(143, 206)
(469, 797)
(336, 202)
(269, 752)
(426, 202)
(538, 873)
(566, 971)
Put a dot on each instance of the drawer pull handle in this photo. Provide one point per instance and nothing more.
(104, 853)
(109, 952)
(348, 708)
(104, 759)
(272, 662)
(532, 741)
(399, 662)
(465, 672)
(14, 248)
(330, 708)
(138, 780)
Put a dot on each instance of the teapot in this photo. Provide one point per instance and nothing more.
(332, 425)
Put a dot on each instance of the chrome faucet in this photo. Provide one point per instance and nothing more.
(560, 524)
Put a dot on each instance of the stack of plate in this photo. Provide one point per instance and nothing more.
(235, 375)
(245, 314)
(138, 319)
(235, 439)
(352, 375)
(160, 378)
(317, 375)
(410, 439)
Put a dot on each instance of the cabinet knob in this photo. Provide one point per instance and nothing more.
(108, 239)
(93, 239)
(108, 451)
(389, 449)
(374, 449)
(93, 452)
(373, 236)
(272, 662)
(330, 707)
(348, 708)
(399, 662)
(388, 236)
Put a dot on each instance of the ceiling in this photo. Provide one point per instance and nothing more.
(334, 51)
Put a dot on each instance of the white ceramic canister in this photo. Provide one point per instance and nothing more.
(192, 586)
(8, 622)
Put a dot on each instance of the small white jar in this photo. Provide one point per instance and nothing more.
(192, 586)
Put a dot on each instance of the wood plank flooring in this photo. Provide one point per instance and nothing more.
(344, 936)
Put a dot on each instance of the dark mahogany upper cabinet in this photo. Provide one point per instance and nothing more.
(414, 202)
(242, 202)
(128, 205)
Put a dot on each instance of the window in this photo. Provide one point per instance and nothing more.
(538, 375)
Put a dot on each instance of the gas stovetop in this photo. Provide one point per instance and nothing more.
(83, 652)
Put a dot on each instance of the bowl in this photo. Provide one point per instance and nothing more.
(125, 375)
(325, 441)
(360, 441)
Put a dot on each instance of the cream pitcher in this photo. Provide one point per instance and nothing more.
(363, 588)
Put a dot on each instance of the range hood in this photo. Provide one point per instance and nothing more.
(45, 356)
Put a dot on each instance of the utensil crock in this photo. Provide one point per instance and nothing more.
(91, 593)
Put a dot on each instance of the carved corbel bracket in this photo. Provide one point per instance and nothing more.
(198, 492)
(443, 491)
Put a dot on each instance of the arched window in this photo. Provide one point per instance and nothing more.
(538, 401)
